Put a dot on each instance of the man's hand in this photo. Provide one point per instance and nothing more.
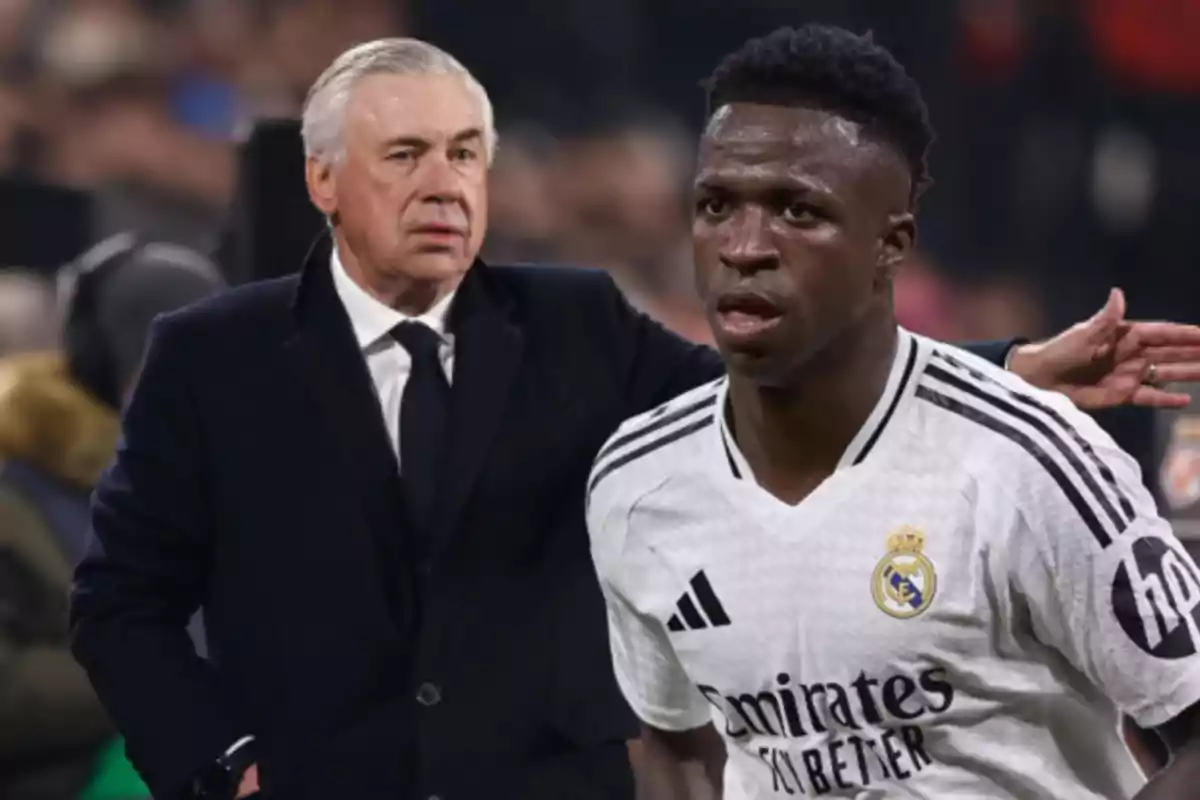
(1108, 361)
(249, 784)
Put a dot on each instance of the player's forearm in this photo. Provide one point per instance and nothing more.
(1179, 779)
(669, 779)
(679, 766)
(659, 778)
(1148, 749)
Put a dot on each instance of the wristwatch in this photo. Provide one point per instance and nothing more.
(220, 779)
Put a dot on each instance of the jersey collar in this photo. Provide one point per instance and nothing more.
(899, 381)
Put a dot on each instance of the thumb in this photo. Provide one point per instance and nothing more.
(1103, 325)
(1113, 312)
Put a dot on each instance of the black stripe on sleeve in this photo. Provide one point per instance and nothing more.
(984, 419)
(1038, 424)
(658, 424)
(1105, 471)
(649, 447)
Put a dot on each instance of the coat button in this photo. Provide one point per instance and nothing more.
(429, 695)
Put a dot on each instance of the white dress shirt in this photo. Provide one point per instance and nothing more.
(387, 361)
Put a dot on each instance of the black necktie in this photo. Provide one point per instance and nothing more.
(424, 420)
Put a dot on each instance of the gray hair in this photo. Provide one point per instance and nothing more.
(325, 107)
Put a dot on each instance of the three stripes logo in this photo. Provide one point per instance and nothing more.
(690, 616)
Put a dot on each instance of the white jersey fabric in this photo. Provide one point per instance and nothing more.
(959, 611)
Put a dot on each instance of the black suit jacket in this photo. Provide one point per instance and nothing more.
(255, 478)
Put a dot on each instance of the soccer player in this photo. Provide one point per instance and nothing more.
(874, 565)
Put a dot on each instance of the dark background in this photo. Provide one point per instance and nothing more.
(1066, 163)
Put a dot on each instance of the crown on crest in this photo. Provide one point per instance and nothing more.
(905, 540)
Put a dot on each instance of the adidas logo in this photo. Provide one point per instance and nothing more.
(689, 617)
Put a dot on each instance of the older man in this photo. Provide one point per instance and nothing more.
(371, 477)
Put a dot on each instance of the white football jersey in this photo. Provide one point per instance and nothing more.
(960, 610)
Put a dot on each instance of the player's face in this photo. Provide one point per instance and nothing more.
(410, 194)
(799, 221)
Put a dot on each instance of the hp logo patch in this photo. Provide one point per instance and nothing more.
(1156, 598)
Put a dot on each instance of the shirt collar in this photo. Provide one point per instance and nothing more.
(373, 320)
(900, 382)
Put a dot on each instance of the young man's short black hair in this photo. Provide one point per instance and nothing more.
(833, 70)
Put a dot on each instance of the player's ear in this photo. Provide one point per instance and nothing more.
(898, 241)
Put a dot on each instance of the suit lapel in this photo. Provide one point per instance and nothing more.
(487, 356)
(328, 361)
(328, 355)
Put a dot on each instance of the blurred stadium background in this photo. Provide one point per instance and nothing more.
(1067, 162)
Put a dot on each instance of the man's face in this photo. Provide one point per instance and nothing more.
(798, 225)
(410, 195)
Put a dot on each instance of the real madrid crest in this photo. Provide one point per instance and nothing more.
(904, 581)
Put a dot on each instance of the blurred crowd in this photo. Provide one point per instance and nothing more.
(1067, 160)
(1063, 156)
(1061, 129)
